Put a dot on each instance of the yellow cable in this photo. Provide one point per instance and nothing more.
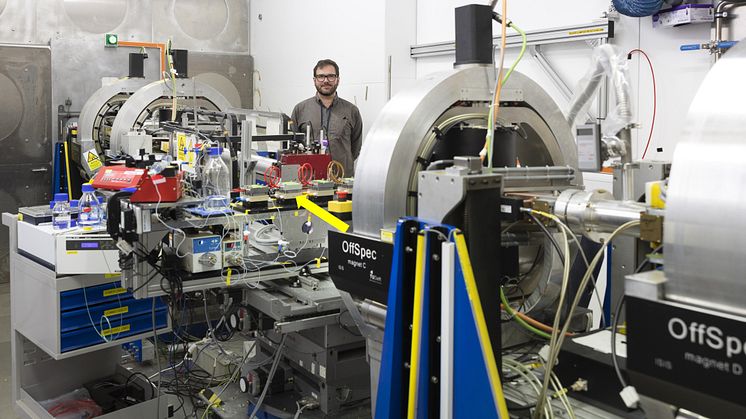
(482, 332)
(67, 169)
(419, 291)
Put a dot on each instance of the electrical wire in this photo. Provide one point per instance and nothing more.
(524, 42)
(530, 378)
(560, 392)
(554, 346)
(300, 409)
(518, 319)
(558, 315)
(580, 250)
(614, 327)
(547, 233)
(526, 321)
(157, 356)
(495, 107)
(272, 176)
(305, 174)
(655, 96)
(232, 378)
(270, 376)
(335, 172)
(171, 72)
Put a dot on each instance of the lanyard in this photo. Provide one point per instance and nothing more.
(325, 123)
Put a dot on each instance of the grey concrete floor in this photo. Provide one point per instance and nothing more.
(6, 407)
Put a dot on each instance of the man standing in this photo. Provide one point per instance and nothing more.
(331, 118)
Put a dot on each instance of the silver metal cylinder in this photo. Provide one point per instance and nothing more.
(373, 313)
(628, 181)
(262, 163)
(596, 214)
(625, 136)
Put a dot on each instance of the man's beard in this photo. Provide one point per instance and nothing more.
(321, 92)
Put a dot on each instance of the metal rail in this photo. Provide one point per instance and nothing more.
(602, 29)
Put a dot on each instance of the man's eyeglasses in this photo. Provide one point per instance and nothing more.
(322, 77)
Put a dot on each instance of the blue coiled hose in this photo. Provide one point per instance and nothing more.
(637, 8)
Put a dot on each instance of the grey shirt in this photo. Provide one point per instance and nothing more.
(342, 126)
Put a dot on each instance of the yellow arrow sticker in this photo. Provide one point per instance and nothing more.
(322, 213)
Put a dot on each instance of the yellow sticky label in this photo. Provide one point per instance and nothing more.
(585, 31)
(165, 146)
(20, 217)
(115, 275)
(295, 213)
(181, 140)
(228, 277)
(115, 330)
(115, 311)
(114, 291)
(387, 236)
(93, 161)
(72, 252)
(215, 400)
(318, 263)
(655, 195)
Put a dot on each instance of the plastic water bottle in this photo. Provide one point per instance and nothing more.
(216, 182)
(158, 166)
(89, 213)
(102, 208)
(60, 212)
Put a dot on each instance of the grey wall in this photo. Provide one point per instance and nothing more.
(71, 33)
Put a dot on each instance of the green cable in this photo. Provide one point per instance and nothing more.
(519, 320)
(505, 79)
(520, 55)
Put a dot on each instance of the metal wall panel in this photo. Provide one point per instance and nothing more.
(25, 123)
(79, 58)
(35, 82)
(230, 74)
(75, 29)
(18, 23)
(25, 133)
(203, 25)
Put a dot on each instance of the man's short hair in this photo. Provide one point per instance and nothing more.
(324, 63)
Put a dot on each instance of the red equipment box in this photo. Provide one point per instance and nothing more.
(319, 162)
(149, 189)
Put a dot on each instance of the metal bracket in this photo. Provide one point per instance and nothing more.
(304, 324)
(554, 76)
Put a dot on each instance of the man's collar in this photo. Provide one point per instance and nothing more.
(334, 101)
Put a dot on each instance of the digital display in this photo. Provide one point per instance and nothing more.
(585, 131)
(89, 245)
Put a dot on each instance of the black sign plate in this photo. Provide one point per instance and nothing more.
(360, 266)
(694, 349)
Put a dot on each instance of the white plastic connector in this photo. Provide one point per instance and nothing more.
(191, 351)
(580, 385)
(630, 397)
(544, 353)
(125, 247)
